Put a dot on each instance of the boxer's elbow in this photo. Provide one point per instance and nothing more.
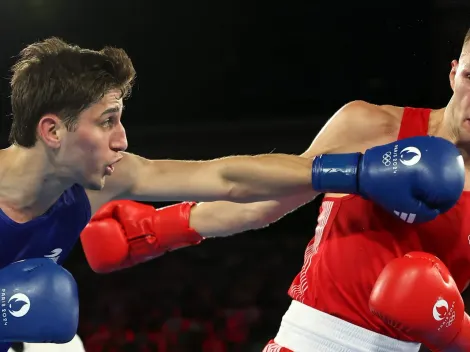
(239, 192)
(233, 184)
(246, 179)
(245, 193)
(224, 187)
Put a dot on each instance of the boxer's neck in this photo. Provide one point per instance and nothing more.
(29, 184)
(439, 125)
(446, 126)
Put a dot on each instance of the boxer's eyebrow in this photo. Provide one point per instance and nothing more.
(113, 110)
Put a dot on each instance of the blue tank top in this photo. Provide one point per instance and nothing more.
(51, 235)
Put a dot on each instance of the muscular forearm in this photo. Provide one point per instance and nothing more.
(264, 177)
(220, 219)
(125, 233)
(236, 178)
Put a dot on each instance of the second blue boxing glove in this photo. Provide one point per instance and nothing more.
(39, 302)
(415, 178)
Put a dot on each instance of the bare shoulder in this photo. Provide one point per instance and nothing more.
(394, 112)
(357, 126)
(385, 117)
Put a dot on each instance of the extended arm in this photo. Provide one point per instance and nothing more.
(235, 178)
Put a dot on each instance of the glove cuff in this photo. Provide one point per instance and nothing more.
(336, 173)
(171, 227)
(462, 340)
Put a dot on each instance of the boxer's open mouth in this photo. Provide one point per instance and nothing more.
(110, 167)
(109, 170)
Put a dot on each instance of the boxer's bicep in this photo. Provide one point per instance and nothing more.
(355, 127)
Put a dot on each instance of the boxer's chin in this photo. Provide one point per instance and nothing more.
(466, 125)
(95, 185)
(464, 135)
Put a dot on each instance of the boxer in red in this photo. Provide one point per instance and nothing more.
(371, 279)
(360, 288)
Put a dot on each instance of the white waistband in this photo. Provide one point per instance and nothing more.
(305, 329)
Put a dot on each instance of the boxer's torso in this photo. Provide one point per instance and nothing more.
(51, 235)
(355, 239)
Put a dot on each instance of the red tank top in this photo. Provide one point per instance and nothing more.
(355, 239)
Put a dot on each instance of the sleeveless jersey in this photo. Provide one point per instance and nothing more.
(50, 235)
(355, 239)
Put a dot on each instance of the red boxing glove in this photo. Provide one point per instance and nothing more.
(124, 233)
(417, 295)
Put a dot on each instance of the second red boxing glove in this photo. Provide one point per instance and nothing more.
(417, 295)
(125, 233)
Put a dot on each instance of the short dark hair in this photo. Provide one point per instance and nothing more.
(467, 37)
(55, 77)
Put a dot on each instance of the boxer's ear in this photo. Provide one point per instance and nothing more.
(453, 70)
(50, 129)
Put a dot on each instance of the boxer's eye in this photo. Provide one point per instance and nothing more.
(108, 122)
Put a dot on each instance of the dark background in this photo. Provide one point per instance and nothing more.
(231, 77)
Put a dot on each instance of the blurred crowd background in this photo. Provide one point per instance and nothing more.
(217, 78)
(222, 296)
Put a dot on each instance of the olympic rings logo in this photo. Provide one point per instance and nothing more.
(387, 159)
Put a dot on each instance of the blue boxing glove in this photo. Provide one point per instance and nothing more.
(416, 178)
(39, 302)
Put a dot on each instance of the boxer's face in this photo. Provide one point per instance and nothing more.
(95, 145)
(460, 106)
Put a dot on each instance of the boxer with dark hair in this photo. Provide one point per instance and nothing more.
(385, 268)
(67, 140)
